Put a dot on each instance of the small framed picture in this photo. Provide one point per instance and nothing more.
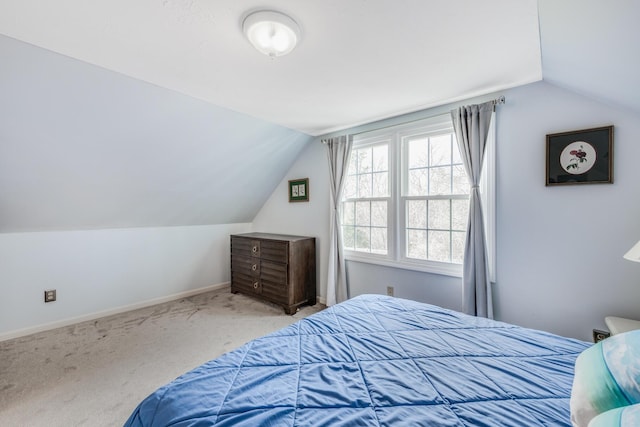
(299, 190)
(580, 157)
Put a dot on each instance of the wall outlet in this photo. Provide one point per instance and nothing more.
(50, 295)
(390, 291)
(599, 335)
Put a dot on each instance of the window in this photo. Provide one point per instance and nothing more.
(367, 196)
(435, 197)
(406, 198)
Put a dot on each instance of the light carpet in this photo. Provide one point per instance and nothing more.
(95, 373)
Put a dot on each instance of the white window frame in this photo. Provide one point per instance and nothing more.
(371, 141)
(396, 236)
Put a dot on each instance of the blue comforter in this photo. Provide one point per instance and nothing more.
(378, 361)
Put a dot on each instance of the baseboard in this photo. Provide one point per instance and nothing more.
(321, 300)
(104, 313)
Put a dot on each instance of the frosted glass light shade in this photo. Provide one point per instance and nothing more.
(272, 33)
(634, 253)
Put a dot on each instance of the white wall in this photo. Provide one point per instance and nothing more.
(98, 272)
(559, 249)
(560, 264)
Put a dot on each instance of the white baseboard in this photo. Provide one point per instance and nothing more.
(104, 313)
(321, 300)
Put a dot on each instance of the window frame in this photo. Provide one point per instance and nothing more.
(372, 141)
(396, 214)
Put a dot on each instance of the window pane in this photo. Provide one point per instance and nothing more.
(460, 181)
(439, 214)
(364, 160)
(349, 190)
(440, 150)
(381, 184)
(348, 213)
(418, 153)
(363, 239)
(439, 246)
(416, 213)
(417, 244)
(381, 158)
(364, 185)
(440, 180)
(363, 213)
(348, 240)
(379, 240)
(457, 246)
(353, 163)
(418, 182)
(459, 214)
(379, 214)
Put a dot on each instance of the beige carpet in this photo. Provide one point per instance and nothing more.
(95, 373)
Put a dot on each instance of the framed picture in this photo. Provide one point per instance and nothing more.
(580, 157)
(299, 190)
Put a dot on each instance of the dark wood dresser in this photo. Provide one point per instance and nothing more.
(275, 267)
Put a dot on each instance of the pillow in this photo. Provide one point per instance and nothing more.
(627, 416)
(607, 376)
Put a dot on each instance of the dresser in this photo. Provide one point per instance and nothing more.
(275, 267)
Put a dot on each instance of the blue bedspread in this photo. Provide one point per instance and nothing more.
(378, 361)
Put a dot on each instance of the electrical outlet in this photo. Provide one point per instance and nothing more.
(390, 291)
(50, 295)
(599, 335)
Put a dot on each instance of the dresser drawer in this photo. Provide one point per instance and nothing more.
(245, 283)
(245, 265)
(245, 246)
(274, 251)
(273, 272)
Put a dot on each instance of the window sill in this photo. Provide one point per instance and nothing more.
(432, 267)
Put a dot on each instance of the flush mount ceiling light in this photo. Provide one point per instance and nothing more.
(272, 33)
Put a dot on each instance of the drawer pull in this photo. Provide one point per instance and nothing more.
(254, 249)
(254, 267)
(255, 285)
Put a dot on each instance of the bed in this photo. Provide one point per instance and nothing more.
(378, 361)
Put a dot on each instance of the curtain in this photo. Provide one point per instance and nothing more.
(471, 125)
(339, 150)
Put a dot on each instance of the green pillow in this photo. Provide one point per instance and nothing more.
(607, 376)
(627, 416)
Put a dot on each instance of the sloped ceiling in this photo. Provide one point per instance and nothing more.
(592, 47)
(82, 147)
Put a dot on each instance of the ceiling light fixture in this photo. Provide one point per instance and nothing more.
(272, 33)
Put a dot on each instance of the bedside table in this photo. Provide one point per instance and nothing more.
(619, 325)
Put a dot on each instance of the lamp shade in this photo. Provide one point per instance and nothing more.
(272, 33)
(634, 253)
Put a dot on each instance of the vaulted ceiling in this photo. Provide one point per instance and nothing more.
(593, 47)
(159, 112)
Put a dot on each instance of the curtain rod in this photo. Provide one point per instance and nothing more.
(497, 101)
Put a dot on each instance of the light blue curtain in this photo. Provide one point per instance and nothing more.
(338, 150)
(471, 125)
